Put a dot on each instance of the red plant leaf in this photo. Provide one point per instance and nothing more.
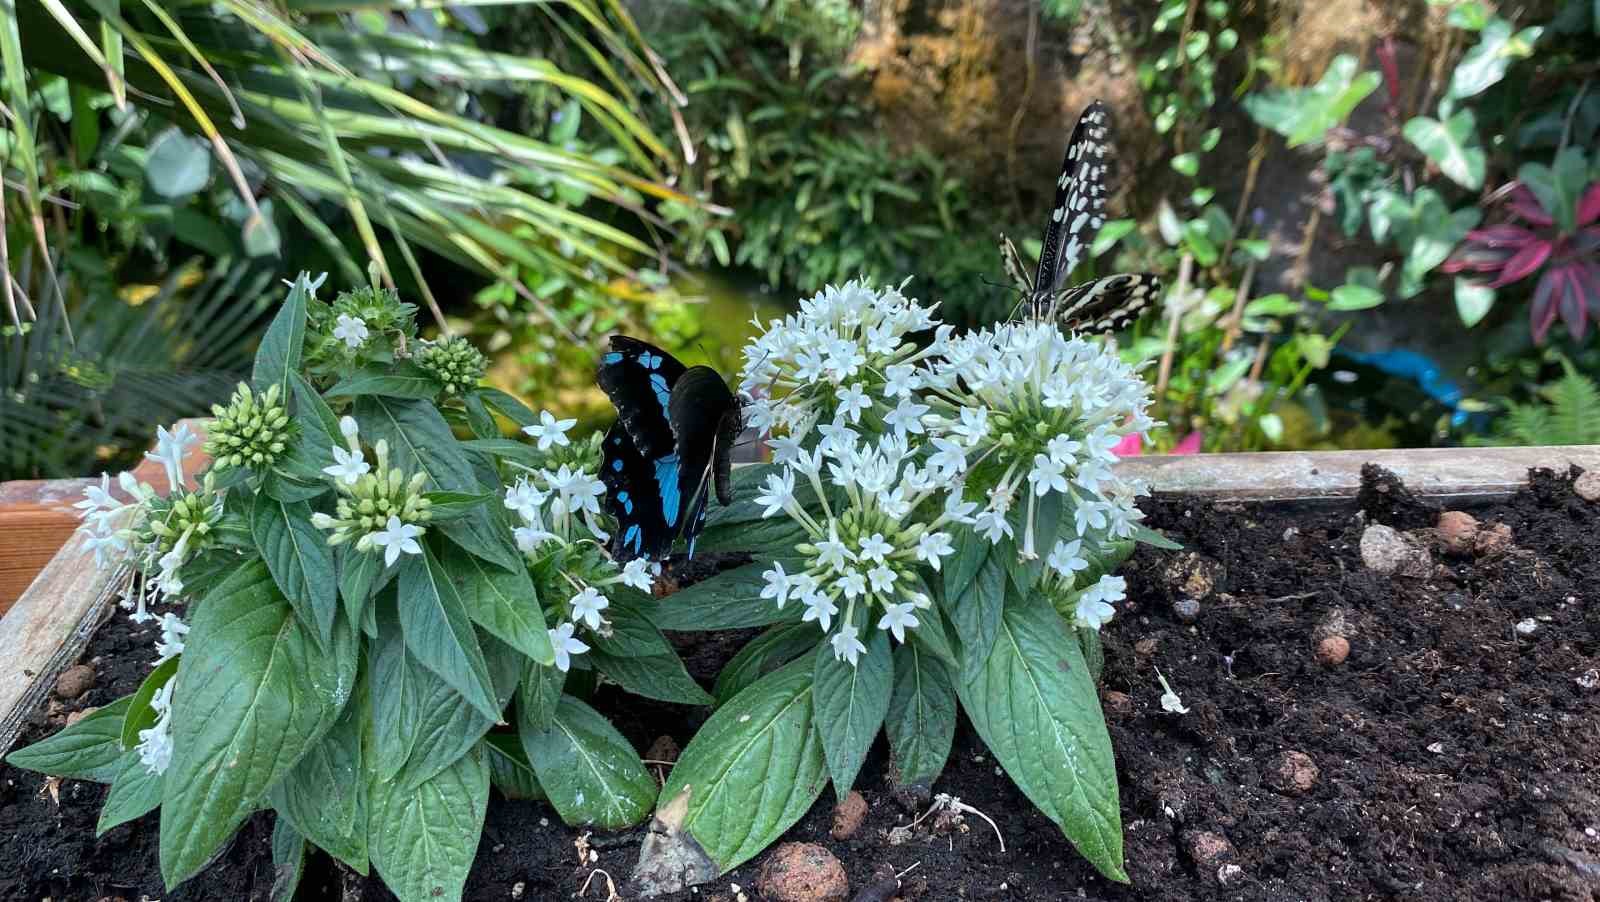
(1589, 283)
(1522, 263)
(1589, 205)
(1528, 207)
(1542, 312)
(1570, 301)
(1505, 235)
(1477, 258)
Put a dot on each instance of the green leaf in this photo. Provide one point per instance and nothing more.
(447, 506)
(279, 352)
(850, 704)
(423, 839)
(254, 691)
(361, 575)
(753, 769)
(1559, 186)
(1304, 115)
(396, 694)
(637, 657)
(1036, 709)
(1485, 63)
(1187, 164)
(140, 715)
(1354, 297)
(538, 694)
(508, 406)
(135, 793)
(1113, 231)
(974, 610)
(1452, 145)
(301, 562)
(312, 448)
(588, 771)
(325, 794)
(502, 602)
(439, 633)
(406, 381)
(921, 721)
(1148, 536)
(762, 655)
(510, 449)
(1470, 16)
(730, 600)
(448, 726)
(509, 769)
(1474, 300)
(176, 165)
(90, 749)
(288, 860)
(418, 438)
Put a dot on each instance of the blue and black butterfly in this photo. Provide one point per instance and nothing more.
(1102, 305)
(673, 439)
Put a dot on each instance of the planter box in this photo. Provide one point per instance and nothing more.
(1166, 807)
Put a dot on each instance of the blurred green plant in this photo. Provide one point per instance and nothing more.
(1564, 412)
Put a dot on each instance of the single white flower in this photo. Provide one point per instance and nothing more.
(587, 605)
(171, 643)
(1047, 475)
(352, 330)
(171, 446)
(1064, 450)
(882, 579)
(1170, 702)
(874, 548)
(348, 466)
(853, 584)
(525, 499)
(397, 538)
(900, 380)
(778, 585)
(832, 553)
(933, 546)
(846, 647)
(636, 574)
(1088, 515)
(549, 430)
(1067, 558)
(973, 426)
(529, 538)
(566, 645)
(820, 608)
(1095, 604)
(897, 618)
(993, 525)
(779, 493)
(852, 401)
(906, 418)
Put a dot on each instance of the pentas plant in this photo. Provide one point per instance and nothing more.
(936, 529)
(365, 572)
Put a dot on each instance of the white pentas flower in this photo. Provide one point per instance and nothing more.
(841, 359)
(170, 645)
(549, 431)
(1031, 415)
(1095, 604)
(352, 330)
(864, 550)
(378, 509)
(155, 743)
(566, 645)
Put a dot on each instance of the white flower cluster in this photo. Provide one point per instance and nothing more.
(155, 743)
(559, 509)
(900, 435)
(845, 357)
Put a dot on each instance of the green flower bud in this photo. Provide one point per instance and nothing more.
(252, 428)
(454, 362)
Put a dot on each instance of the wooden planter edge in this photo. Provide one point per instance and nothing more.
(51, 622)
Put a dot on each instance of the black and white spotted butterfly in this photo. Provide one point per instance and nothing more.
(673, 439)
(1102, 305)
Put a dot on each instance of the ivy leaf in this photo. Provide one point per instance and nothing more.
(254, 691)
(278, 355)
(1484, 65)
(300, 560)
(921, 722)
(589, 772)
(753, 770)
(730, 600)
(90, 749)
(1304, 115)
(135, 793)
(438, 632)
(423, 838)
(1036, 708)
(1452, 145)
(850, 706)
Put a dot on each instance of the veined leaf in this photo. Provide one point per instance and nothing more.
(325, 794)
(438, 632)
(135, 793)
(279, 353)
(90, 749)
(921, 721)
(729, 600)
(1452, 145)
(589, 772)
(502, 602)
(300, 560)
(850, 703)
(764, 654)
(423, 839)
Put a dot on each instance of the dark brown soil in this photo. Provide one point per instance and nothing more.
(1449, 758)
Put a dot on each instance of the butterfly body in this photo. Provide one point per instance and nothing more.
(1078, 212)
(671, 444)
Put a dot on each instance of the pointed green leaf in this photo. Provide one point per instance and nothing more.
(288, 860)
(1485, 63)
(589, 772)
(1474, 300)
(135, 793)
(254, 691)
(423, 839)
(301, 562)
(90, 749)
(764, 654)
(279, 352)
(539, 694)
(502, 602)
(1304, 115)
(325, 794)
(974, 611)
(1037, 710)
(438, 632)
(753, 770)
(850, 704)
(730, 600)
(921, 722)
(509, 770)
(1451, 145)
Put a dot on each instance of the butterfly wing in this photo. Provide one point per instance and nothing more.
(702, 409)
(638, 378)
(633, 497)
(1105, 305)
(1080, 202)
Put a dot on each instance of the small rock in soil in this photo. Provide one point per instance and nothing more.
(1195, 574)
(1145, 647)
(1495, 539)
(1332, 651)
(1186, 609)
(1527, 626)
(803, 872)
(76, 716)
(1587, 485)
(1206, 849)
(1458, 530)
(1589, 679)
(665, 748)
(1295, 773)
(1388, 551)
(1118, 703)
(75, 681)
(848, 815)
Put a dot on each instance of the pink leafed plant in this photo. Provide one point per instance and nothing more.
(1568, 261)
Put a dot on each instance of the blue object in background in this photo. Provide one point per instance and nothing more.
(1420, 369)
